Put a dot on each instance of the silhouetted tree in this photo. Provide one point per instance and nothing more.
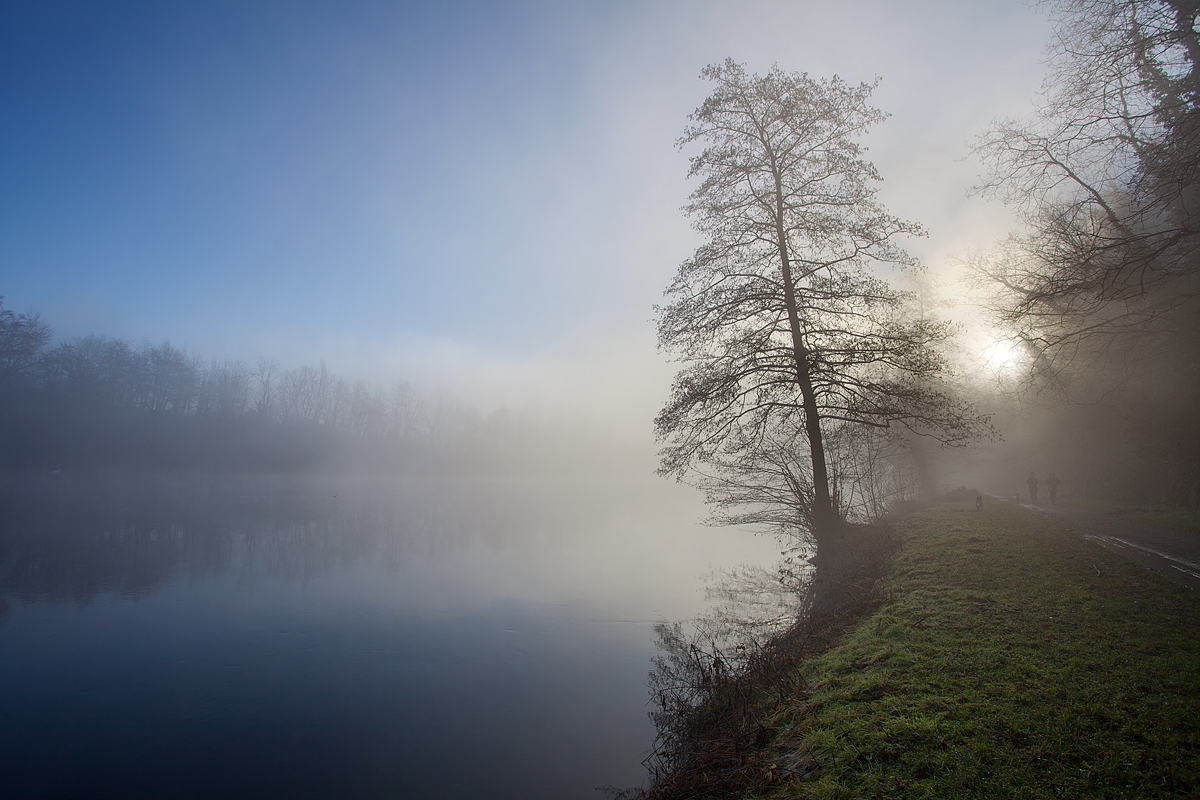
(224, 389)
(780, 318)
(265, 377)
(96, 402)
(22, 339)
(1102, 284)
(1105, 277)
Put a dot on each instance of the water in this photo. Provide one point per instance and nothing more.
(434, 638)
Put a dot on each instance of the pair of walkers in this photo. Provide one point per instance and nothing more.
(1052, 484)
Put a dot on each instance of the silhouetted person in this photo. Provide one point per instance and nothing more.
(1032, 483)
(979, 502)
(1052, 484)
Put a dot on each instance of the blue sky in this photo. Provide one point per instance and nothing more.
(481, 195)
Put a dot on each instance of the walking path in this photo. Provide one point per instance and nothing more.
(1171, 551)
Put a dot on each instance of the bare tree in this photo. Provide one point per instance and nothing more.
(301, 394)
(780, 318)
(170, 379)
(225, 389)
(1104, 278)
(1102, 284)
(364, 415)
(22, 339)
(266, 377)
(406, 414)
(767, 484)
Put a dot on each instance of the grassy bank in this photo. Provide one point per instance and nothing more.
(1183, 519)
(1008, 658)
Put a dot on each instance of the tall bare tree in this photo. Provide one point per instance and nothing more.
(1102, 282)
(780, 318)
(1104, 277)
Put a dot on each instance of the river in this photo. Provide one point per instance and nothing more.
(340, 637)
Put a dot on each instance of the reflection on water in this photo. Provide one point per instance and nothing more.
(339, 638)
(73, 541)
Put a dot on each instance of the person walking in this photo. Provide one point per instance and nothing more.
(1032, 483)
(1052, 484)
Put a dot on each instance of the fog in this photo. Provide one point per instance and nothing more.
(100, 403)
(321, 636)
(340, 346)
(482, 199)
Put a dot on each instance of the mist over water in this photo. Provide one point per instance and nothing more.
(319, 636)
(330, 469)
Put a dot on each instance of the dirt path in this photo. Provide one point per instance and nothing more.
(1170, 551)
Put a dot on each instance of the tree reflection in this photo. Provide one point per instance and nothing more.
(72, 540)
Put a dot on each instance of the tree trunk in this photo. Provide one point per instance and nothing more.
(825, 519)
(920, 456)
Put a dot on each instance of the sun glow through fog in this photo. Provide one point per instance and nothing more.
(1002, 355)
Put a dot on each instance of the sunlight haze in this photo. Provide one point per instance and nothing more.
(481, 197)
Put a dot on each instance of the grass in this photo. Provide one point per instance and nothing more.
(1184, 519)
(1008, 659)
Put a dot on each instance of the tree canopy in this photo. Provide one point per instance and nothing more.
(782, 318)
(1102, 283)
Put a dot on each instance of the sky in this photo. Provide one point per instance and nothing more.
(482, 197)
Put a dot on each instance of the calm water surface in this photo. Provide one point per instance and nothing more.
(439, 638)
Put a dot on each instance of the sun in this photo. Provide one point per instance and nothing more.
(1002, 354)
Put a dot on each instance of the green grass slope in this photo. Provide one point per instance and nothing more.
(1009, 658)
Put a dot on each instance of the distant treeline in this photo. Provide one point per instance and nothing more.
(98, 402)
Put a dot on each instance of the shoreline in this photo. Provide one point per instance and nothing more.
(1001, 655)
